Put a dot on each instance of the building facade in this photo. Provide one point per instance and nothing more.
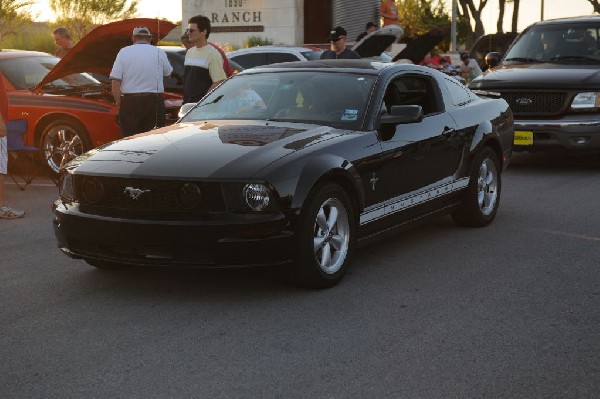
(281, 21)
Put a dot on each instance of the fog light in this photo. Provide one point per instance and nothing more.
(580, 140)
(92, 190)
(188, 196)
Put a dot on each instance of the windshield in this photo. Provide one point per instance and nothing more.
(328, 98)
(26, 72)
(557, 43)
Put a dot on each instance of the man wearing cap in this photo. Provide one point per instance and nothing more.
(469, 69)
(337, 38)
(369, 28)
(137, 84)
(203, 65)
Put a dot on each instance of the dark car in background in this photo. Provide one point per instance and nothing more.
(491, 43)
(550, 76)
(290, 163)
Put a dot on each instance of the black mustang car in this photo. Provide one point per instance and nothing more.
(290, 163)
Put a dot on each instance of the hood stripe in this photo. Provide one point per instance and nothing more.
(56, 102)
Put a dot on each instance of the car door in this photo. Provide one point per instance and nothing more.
(424, 154)
(250, 60)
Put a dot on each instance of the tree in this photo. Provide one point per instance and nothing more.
(419, 16)
(515, 17)
(13, 14)
(596, 5)
(468, 11)
(81, 16)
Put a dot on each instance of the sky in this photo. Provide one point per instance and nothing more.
(170, 9)
(529, 11)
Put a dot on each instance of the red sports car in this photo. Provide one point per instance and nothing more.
(69, 111)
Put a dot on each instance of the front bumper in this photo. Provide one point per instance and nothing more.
(240, 241)
(573, 133)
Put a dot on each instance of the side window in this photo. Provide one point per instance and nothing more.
(273, 58)
(250, 60)
(412, 90)
(459, 94)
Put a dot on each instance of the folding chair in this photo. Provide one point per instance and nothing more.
(16, 130)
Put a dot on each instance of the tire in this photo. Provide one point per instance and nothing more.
(326, 235)
(61, 141)
(482, 197)
(106, 265)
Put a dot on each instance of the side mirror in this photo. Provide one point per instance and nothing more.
(185, 108)
(398, 114)
(492, 59)
(402, 114)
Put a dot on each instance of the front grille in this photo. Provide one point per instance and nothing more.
(536, 103)
(159, 196)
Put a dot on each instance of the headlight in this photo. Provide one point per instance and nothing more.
(586, 100)
(256, 196)
(66, 188)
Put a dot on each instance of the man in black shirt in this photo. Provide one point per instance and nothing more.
(337, 38)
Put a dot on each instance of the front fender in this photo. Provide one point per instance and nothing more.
(323, 167)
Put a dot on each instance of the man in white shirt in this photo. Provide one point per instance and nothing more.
(137, 84)
(469, 69)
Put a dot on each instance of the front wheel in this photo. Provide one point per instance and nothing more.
(63, 140)
(106, 265)
(482, 197)
(326, 235)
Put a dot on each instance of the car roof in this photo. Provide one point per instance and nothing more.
(12, 53)
(282, 49)
(364, 66)
(173, 49)
(583, 18)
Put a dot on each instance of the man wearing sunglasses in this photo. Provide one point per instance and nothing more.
(203, 66)
(337, 38)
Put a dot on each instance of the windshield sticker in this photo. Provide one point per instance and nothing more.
(350, 115)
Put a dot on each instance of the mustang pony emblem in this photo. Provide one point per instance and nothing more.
(134, 193)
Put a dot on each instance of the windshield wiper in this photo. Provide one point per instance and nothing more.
(574, 57)
(523, 59)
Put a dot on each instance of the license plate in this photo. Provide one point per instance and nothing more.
(523, 138)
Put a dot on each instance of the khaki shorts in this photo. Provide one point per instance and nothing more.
(3, 155)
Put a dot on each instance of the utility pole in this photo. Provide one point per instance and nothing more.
(453, 26)
(542, 11)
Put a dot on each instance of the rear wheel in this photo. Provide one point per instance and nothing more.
(482, 197)
(326, 235)
(63, 140)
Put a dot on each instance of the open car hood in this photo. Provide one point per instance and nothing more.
(417, 49)
(377, 42)
(97, 51)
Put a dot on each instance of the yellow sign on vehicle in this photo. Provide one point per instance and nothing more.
(523, 138)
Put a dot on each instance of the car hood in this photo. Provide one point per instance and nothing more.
(377, 42)
(551, 76)
(202, 150)
(97, 51)
(417, 49)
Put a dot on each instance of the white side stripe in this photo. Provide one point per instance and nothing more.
(398, 204)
